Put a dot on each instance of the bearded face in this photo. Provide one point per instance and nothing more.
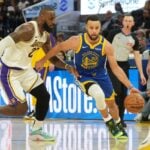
(49, 21)
(47, 28)
(93, 30)
(93, 37)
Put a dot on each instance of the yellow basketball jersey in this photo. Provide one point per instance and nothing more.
(37, 55)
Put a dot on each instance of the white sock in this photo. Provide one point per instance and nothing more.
(37, 124)
(107, 118)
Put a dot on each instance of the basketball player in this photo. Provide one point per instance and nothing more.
(37, 55)
(124, 43)
(17, 74)
(91, 52)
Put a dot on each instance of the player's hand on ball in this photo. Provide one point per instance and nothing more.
(134, 90)
(134, 102)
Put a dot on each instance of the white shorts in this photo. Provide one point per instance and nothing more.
(16, 82)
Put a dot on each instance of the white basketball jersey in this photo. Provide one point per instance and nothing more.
(19, 55)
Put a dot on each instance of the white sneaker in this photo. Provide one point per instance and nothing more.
(145, 145)
(138, 117)
(40, 135)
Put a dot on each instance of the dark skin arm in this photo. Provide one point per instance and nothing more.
(58, 62)
(71, 43)
(61, 64)
(23, 33)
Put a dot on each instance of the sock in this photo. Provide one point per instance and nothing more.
(107, 118)
(37, 124)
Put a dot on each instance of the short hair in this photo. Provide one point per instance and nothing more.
(92, 18)
(46, 8)
(128, 15)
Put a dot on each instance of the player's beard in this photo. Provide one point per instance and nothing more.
(93, 38)
(47, 28)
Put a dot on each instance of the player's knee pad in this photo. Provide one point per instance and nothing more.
(97, 93)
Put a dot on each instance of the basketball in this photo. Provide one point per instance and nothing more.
(134, 103)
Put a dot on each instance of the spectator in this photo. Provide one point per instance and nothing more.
(22, 4)
(139, 14)
(118, 8)
(140, 34)
(107, 23)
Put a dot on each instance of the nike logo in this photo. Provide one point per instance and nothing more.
(98, 49)
(84, 46)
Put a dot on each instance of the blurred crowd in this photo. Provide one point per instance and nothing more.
(142, 23)
(11, 14)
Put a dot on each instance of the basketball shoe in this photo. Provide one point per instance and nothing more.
(113, 128)
(40, 135)
(121, 128)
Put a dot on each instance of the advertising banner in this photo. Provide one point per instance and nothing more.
(67, 101)
(60, 7)
(102, 6)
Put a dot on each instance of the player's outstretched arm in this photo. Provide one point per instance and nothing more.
(72, 43)
(118, 72)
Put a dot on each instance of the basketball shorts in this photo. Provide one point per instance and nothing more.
(104, 83)
(16, 82)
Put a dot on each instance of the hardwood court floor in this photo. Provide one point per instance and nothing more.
(70, 135)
